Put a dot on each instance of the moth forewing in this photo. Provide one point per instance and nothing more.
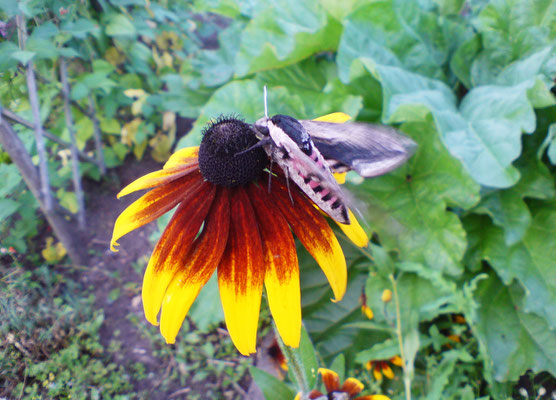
(303, 163)
(369, 149)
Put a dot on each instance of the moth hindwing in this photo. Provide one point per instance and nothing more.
(291, 147)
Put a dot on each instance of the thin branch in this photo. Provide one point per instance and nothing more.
(34, 101)
(16, 118)
(97, 133)
(73, 148)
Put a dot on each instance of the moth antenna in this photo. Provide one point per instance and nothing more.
(264, 99)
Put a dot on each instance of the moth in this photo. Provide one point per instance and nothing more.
(310, 152)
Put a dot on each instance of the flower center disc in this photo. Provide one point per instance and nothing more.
(220, 160)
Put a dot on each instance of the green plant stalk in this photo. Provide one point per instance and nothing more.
(295, 364)
(406, 377)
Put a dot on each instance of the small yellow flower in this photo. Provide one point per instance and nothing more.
(386, 295)
(349, 389)
(381, 367)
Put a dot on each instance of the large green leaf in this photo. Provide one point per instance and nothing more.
(243, 99)
(272, 387)
(316, 83)
(284, 32)
(509, 30)
(513, 339)
(7, 208)
(408, 208)
(531, 262)
(485, 131)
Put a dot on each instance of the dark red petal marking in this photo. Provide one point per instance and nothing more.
(177, 238)
(209, 247)
(242, 263)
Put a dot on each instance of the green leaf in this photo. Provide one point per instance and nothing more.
(512, 339)
(339, 366)
(23, 56)
(120, 25)
(80, 28)
(422, 297)
(206, 310)
(7, 208)
(551, 143)
(10, 178)
(530, 261)
(10, 7)
(408, 207)
(510, 28)
(243, 99)
(315, 82)
(272, 387)
(308, 357)
(284, 32)
(217, 66)
(381, 351)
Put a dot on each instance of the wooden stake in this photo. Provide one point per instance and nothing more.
(35, 108)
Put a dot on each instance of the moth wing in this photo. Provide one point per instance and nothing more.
(369, 149)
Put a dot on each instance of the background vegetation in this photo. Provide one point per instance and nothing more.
(464, 235)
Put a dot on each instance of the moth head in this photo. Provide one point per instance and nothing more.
(261, 128)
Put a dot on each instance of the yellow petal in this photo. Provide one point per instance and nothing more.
(282, 269)
(182, 156)
(387, 371)
(172, 247)
(153, 204)
(241, 274)
(355, 232)
(377, 374)
(330, 379)
(200, 264)
(337, 117)
(177, 302)
(397, 360)
(367, 311)
(157, 178)
(352, 386)
(340, 177)
(315, 234)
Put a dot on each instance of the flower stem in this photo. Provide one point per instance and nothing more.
(295, 364)
(406, 377)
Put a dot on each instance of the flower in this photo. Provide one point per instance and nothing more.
(381, 367)
(350, 388)
(226, 220)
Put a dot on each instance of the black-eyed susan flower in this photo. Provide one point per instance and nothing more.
(382, 367)
(349, 389)
(227, 221)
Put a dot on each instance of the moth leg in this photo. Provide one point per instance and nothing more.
(288, 184)
(270, 174)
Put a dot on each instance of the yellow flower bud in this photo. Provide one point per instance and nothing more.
(386, 295)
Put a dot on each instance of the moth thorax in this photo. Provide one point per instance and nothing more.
(222, 156)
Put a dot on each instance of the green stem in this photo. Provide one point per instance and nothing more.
(407, 378)
(295, 365)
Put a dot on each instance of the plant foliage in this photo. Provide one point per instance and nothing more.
(464, 231)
